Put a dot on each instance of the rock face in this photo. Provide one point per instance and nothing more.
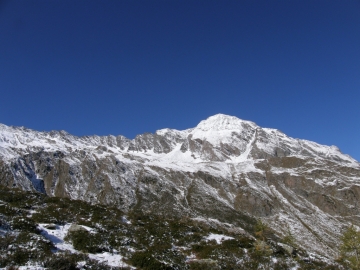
(224, 168)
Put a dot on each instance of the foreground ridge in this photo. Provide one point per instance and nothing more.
(42, 235)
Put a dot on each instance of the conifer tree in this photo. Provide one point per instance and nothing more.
(289, 238)
(261, 229)
(350, 247)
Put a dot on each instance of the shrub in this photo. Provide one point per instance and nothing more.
(261, 230)
(24, 224)
(19, 257)
(8, 211)
(145, 260)
(245, 242)
(350, 247)
(5, 241)
(12, 267)
(204, 249)
(204, 264)
(61, 263)
(84, 241)
(232, 245)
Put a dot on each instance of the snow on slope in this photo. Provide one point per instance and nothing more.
(218, 238)
(57, 235)
(217, 130)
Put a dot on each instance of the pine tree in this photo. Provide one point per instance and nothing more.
(289, 239)
(350, 247)
(261, 230)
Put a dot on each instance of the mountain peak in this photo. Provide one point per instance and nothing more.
(223, 122)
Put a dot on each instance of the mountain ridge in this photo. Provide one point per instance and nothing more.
(208, 129)
(238, 168)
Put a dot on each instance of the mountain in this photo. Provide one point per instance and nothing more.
(225, 169)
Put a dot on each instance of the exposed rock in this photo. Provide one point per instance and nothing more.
(75, 228)
(288, 249)
(50, 226)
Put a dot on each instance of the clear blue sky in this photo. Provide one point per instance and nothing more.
(131, 66)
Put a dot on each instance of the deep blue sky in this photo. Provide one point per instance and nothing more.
(129, 67)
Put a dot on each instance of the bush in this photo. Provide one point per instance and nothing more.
(350, 247)
(8, 211)
(245, 242)
(24, 224)
(12, 267)
(61, 262)
(145, 260)
(204, 264)
(69, 261)
(84, 241)
(19, 257)
(204, 249)
(5, 241)
(230, 245)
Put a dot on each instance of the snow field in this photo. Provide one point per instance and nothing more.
(57, 235)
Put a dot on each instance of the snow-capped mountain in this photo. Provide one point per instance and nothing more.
(225, 168)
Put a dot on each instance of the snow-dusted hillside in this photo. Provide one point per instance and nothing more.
(224, 168)
(218, 138)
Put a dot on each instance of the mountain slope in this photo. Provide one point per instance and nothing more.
(225, 168)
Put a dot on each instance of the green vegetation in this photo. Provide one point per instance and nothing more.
(22, 247)
(350, 248)
(145, 260)
(86, 242)
(262, 230)
(289, 239)
(144, 239)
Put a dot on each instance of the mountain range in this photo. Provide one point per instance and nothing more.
(224, 170)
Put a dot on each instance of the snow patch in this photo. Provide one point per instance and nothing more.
(218, 237)
(57, 235)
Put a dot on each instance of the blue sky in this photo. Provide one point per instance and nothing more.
(129, 67)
